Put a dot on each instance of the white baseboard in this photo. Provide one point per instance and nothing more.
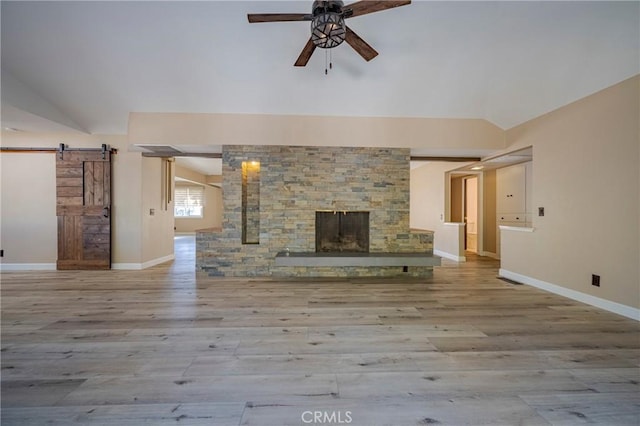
(126, 266)
(489, 254)
(157, 261)
(145, 265)
(449, 256)
(607, 305)
(8, 267)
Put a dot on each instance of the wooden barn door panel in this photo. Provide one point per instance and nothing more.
(83, 194)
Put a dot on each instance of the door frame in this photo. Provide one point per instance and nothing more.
(480, 223)
(465, 206)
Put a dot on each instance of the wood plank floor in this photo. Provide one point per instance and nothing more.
(163, 346)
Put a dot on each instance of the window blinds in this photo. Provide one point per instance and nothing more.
(189, 201)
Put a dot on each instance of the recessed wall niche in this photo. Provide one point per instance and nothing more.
(250, 202)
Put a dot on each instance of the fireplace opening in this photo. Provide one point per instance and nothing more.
(342, 232)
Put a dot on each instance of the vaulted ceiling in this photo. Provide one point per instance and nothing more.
(86, 65)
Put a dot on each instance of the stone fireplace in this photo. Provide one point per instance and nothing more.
(345, 231)
(297, 191)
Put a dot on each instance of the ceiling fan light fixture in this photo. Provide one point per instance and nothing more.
(328, 30)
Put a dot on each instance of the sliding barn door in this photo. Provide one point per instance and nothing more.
(83, 189)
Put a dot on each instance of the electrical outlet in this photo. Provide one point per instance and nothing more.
(595, 280)
(1, 253)
(540, 211)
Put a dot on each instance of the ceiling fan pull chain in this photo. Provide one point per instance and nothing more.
(330, 59)
(325, 62)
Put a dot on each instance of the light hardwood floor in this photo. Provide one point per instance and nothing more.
(161, 346)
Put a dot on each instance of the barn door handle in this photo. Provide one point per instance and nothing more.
(105, 212)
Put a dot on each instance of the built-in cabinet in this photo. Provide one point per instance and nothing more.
(513, 195)
(514, 205)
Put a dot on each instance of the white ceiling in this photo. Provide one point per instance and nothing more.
(506, 62)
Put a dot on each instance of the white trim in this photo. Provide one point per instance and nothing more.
(7, 267)
(126, 266)
(449, 256)
(145, 265)
(516, 228)
(607, 305)
(157, 261)
(489, 254)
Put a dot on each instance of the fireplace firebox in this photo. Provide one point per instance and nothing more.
(346, 231)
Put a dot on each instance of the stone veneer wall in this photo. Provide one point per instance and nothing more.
(295, 182)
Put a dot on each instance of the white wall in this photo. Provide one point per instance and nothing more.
(28, 224)
(427, 208)
(587, 178)
(442, 134)
(157, 220)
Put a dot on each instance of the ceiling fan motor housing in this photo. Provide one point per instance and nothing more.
(319, 7)
(327, 28)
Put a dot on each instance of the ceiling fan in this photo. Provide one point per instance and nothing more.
(328, 29)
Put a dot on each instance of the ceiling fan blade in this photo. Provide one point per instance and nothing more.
(306, 53)
(278, 17)
(359, 45)
(369, 6)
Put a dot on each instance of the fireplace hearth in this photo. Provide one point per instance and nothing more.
(345, 231)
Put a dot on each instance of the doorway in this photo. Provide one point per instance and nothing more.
(197, 194)
(471, 213)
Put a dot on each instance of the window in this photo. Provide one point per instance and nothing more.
(189, 201)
